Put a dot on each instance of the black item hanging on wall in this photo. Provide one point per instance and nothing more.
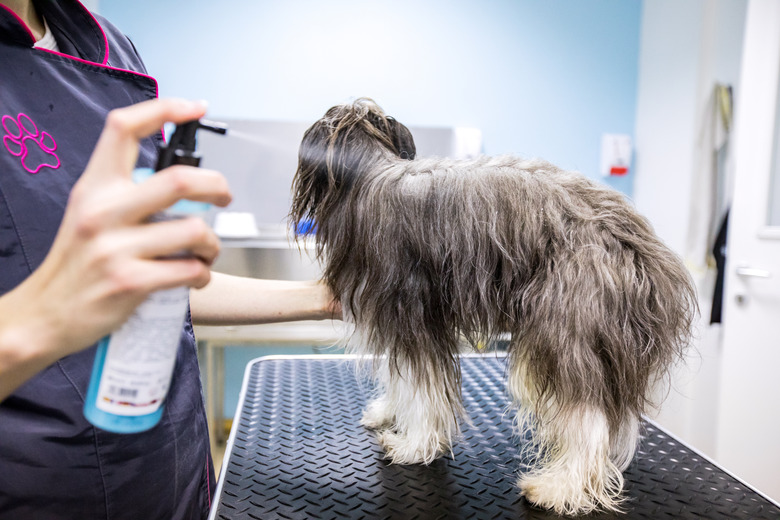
(719, 252)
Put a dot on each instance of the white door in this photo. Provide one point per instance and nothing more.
(748, 441)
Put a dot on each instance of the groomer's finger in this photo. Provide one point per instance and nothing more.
(118, 204)
(152, 275)
(116, 151)
(191, 236)
(170, 185)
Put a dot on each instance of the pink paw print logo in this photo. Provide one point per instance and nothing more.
(34, 148)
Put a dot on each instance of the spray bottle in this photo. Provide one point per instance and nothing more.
(134, 365)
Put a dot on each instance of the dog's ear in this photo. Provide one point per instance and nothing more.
(403, 142)
(311, 177)
(387, 131)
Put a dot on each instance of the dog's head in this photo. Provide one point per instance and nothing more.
(338, 150)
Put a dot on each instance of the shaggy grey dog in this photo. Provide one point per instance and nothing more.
(424, 252)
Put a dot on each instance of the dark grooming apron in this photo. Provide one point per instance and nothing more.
(53, 463)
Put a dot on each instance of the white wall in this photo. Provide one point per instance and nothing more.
(685, 48)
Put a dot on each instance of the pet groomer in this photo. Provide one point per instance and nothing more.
(75, 259)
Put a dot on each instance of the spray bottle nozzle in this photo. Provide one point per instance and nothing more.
(213, 126)
(181, 147)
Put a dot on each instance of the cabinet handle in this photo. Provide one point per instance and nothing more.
(750, 271)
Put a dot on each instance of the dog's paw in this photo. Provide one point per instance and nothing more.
(560, 492)
(409, 449)
(543, 491)
(377, 415)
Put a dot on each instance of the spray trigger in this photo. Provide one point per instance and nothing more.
(181, 148)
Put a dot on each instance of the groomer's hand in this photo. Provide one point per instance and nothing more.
(105, 259)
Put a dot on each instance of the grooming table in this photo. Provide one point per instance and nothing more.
(297, 451)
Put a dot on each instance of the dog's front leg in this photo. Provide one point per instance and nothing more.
(380, 412)
(417, 413)
(425, 420)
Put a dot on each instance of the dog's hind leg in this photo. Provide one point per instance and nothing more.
(573, 473)
(576, 462)
(579, 367)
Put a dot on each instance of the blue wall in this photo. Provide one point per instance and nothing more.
(541, 78)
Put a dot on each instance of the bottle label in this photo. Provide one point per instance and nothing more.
(141, 355)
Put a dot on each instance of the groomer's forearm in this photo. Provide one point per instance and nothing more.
(235, 300)
(27, 342)
(18, 362)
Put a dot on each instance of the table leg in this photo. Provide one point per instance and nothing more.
(210, 398)
(219, 402)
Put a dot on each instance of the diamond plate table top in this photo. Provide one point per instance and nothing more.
(297, 451)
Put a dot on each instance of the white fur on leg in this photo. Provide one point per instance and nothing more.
(378, 414)
(622, 446)
(423, 420)
(415, 420)
(574, 474)
(579, 466)
(423, 429)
